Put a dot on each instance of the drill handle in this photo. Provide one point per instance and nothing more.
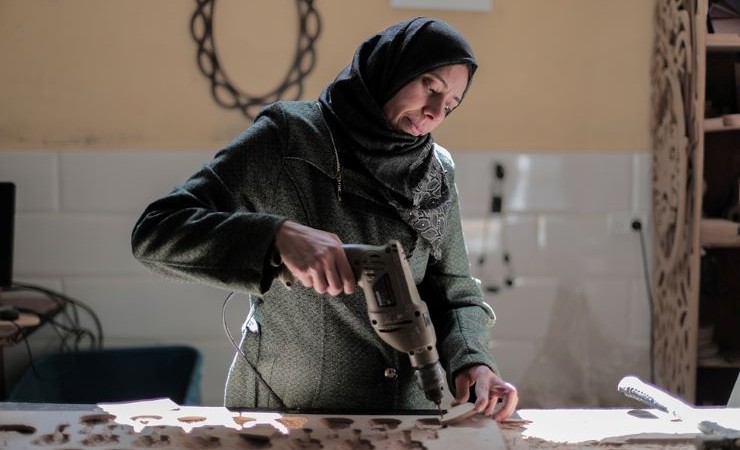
(354, 253)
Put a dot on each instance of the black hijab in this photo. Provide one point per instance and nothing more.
(406, 166)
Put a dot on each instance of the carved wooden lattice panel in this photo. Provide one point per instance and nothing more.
(677, 136)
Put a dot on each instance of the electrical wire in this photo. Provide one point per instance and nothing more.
(496, 208)
(63, 300)
(71, 334)
(238, 349)
(637, 226)
(75, 331)
(31, 359)
(28, 347)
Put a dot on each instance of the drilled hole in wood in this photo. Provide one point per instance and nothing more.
(337, 423)
(387, 423)
(96, 419)
(191, 419)
(18, 428)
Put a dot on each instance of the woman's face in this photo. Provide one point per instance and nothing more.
(423, 103)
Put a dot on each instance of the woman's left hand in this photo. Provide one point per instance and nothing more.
(489, 388)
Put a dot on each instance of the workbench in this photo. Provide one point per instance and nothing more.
(612, 428)
(164, 425)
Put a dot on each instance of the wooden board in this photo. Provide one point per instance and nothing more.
(212, 427)
(458, 413)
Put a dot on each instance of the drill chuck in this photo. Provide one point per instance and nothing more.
(431, 380)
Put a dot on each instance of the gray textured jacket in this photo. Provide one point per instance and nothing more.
(315, 351)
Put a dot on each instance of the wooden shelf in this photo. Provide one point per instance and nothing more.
(728, 360)
(722, 42)
(719, 233)
(707, 75)
(716, 124)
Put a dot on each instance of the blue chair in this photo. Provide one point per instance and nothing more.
(113, 375)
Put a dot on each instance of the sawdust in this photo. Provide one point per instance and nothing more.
(385, 423)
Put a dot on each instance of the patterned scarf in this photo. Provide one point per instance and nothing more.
(412, 178)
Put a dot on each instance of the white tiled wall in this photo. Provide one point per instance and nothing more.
(574, 321)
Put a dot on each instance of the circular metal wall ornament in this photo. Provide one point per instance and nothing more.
(224, 91)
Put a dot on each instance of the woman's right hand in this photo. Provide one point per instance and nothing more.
(315, 258)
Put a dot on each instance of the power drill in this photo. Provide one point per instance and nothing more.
(397, 314)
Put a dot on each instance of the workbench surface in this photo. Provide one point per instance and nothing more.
(164, 425)
(612, 428)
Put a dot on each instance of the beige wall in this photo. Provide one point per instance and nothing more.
(121, 74)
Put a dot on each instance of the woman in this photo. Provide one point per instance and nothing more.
(357, 166)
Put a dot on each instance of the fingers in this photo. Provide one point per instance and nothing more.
(485, 398)
(506, 392)
(510, 401)
(315, 258)
(491, 405)
(328, 272)
(346, 280)
(335, 275)
(489, 389)
(462, 386)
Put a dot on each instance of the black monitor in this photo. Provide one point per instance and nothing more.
(7, 221)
